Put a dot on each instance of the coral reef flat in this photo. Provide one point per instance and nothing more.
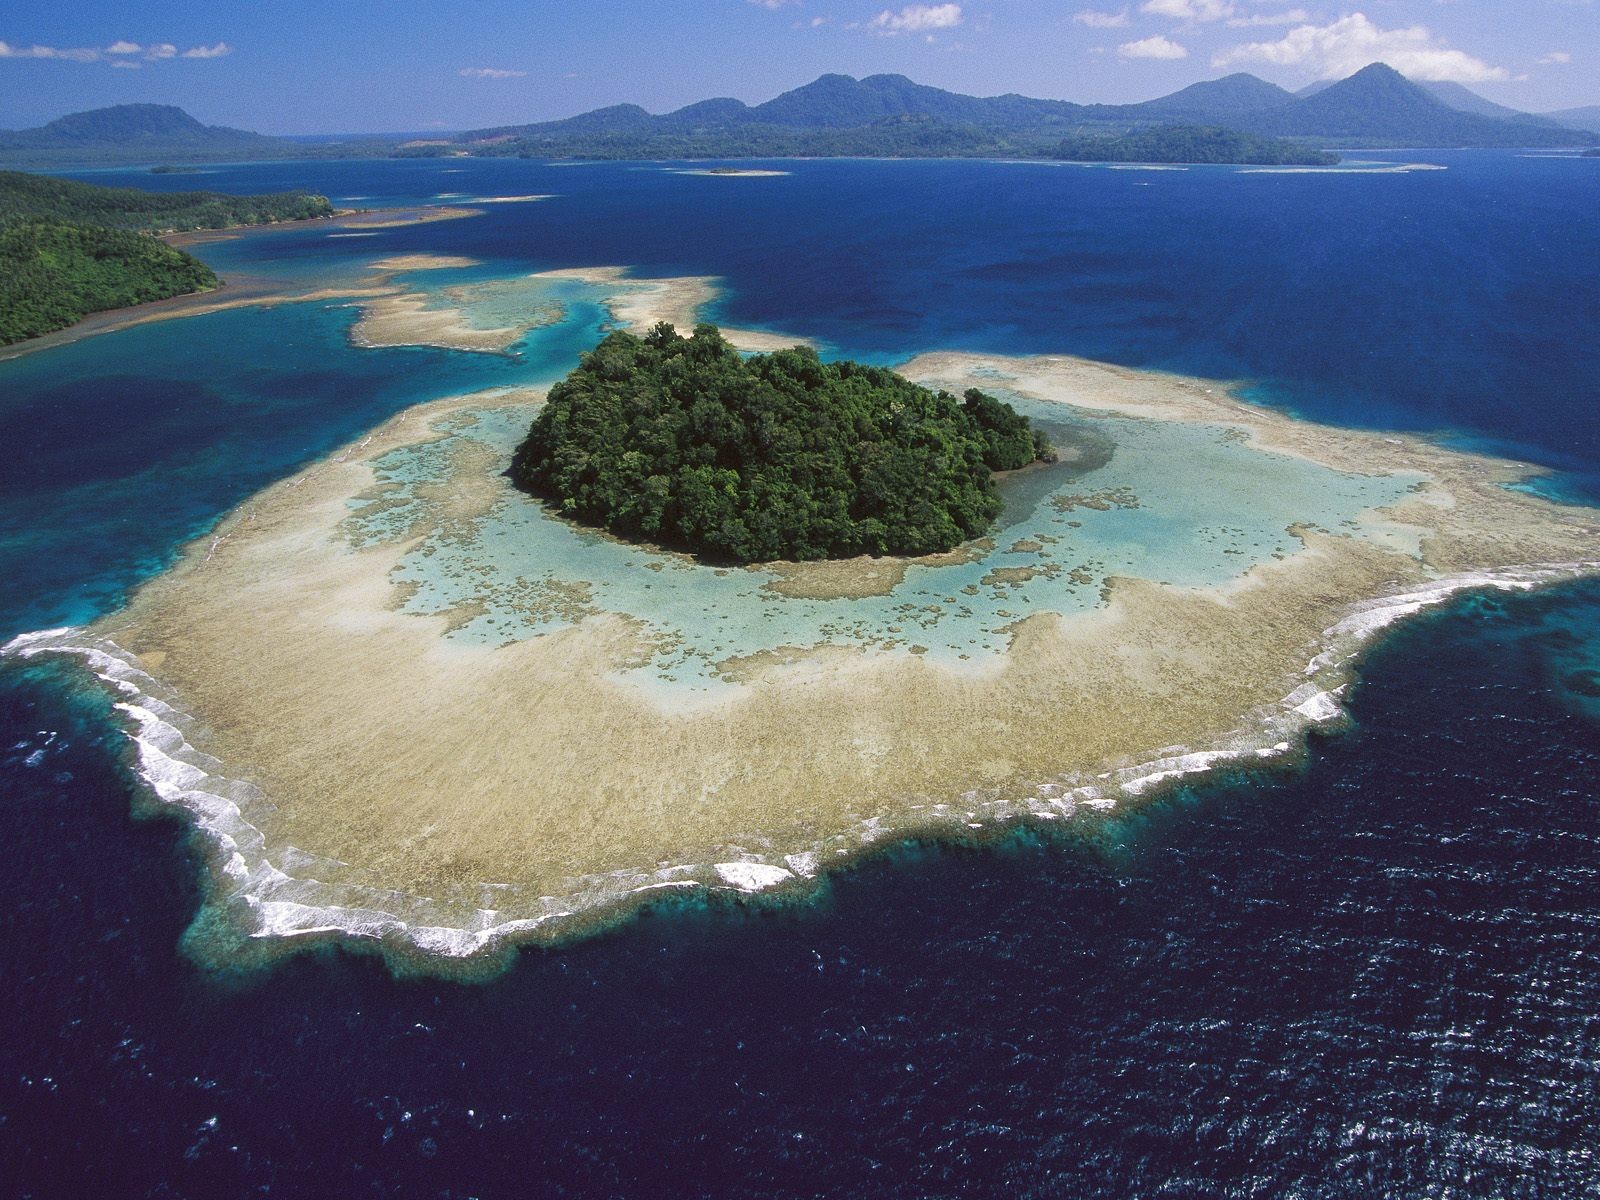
(409, 705)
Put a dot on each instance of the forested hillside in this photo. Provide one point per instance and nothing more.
(24, 195)
(55, 273)
(1193, 144)
(68, 249)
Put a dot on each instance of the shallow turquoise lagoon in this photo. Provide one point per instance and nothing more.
(1184, 504)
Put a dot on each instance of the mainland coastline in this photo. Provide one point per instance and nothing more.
(247, 291)
(326, 821)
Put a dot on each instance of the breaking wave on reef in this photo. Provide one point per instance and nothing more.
(277, 897)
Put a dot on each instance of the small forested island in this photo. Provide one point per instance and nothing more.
(687, 443)
(69, 249)
(1193, 144)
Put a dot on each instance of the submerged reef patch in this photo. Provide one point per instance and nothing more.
(407, 706)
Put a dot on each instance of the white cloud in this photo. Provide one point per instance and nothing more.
(117, 54)
(773, 4)
(489, 73)
(1556, 56)
(1189, 10)
(127, 65)
(1350, 43)
(73, 55)
(917, 18)
(1152, 47)
(1102, 20)
(1294, 16)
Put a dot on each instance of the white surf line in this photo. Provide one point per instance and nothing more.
(270, 902)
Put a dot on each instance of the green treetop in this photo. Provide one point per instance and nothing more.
(688, 443)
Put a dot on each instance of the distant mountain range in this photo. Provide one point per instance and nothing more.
(134, 133)
(1379, 106)
(1375, 107)
(881, 114)
(1585, 119)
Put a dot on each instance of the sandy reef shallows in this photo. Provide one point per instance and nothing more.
(639, 303)
(440, 317)
(409, 318)
(350, 220)
(728, 172)
(364, 772)
(251, 291)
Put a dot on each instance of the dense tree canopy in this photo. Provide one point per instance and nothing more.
(54, 273)
(68, 249)
(686, 442)
(24, 195)
(1192, 144)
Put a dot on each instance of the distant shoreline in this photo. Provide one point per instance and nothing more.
(344, 218)
(240, 291)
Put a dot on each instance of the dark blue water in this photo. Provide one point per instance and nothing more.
(1377, 977)
(1463, 299)
(120, 446)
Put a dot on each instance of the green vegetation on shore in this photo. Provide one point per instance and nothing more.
(69, 249)
(24, 195)
(55, 273)
(906, 136)
(1193, 144)
(688, 443)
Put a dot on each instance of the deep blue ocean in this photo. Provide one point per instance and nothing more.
(1377, 974)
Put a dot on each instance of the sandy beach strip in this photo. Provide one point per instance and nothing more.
(728, 173)
(236, 292)
(345, 220)
(245, 291)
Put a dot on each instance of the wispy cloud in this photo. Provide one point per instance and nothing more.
(1197, 11)
(1293, 16)
(120, 53)
(489, 73)
(74, 55)
(916, 18)
(1153, 47)
(1350, 43)
(1102, 20)
(1560, 57)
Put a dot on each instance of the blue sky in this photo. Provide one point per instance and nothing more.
(290, 66)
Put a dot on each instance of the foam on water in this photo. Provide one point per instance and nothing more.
(280, 894)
